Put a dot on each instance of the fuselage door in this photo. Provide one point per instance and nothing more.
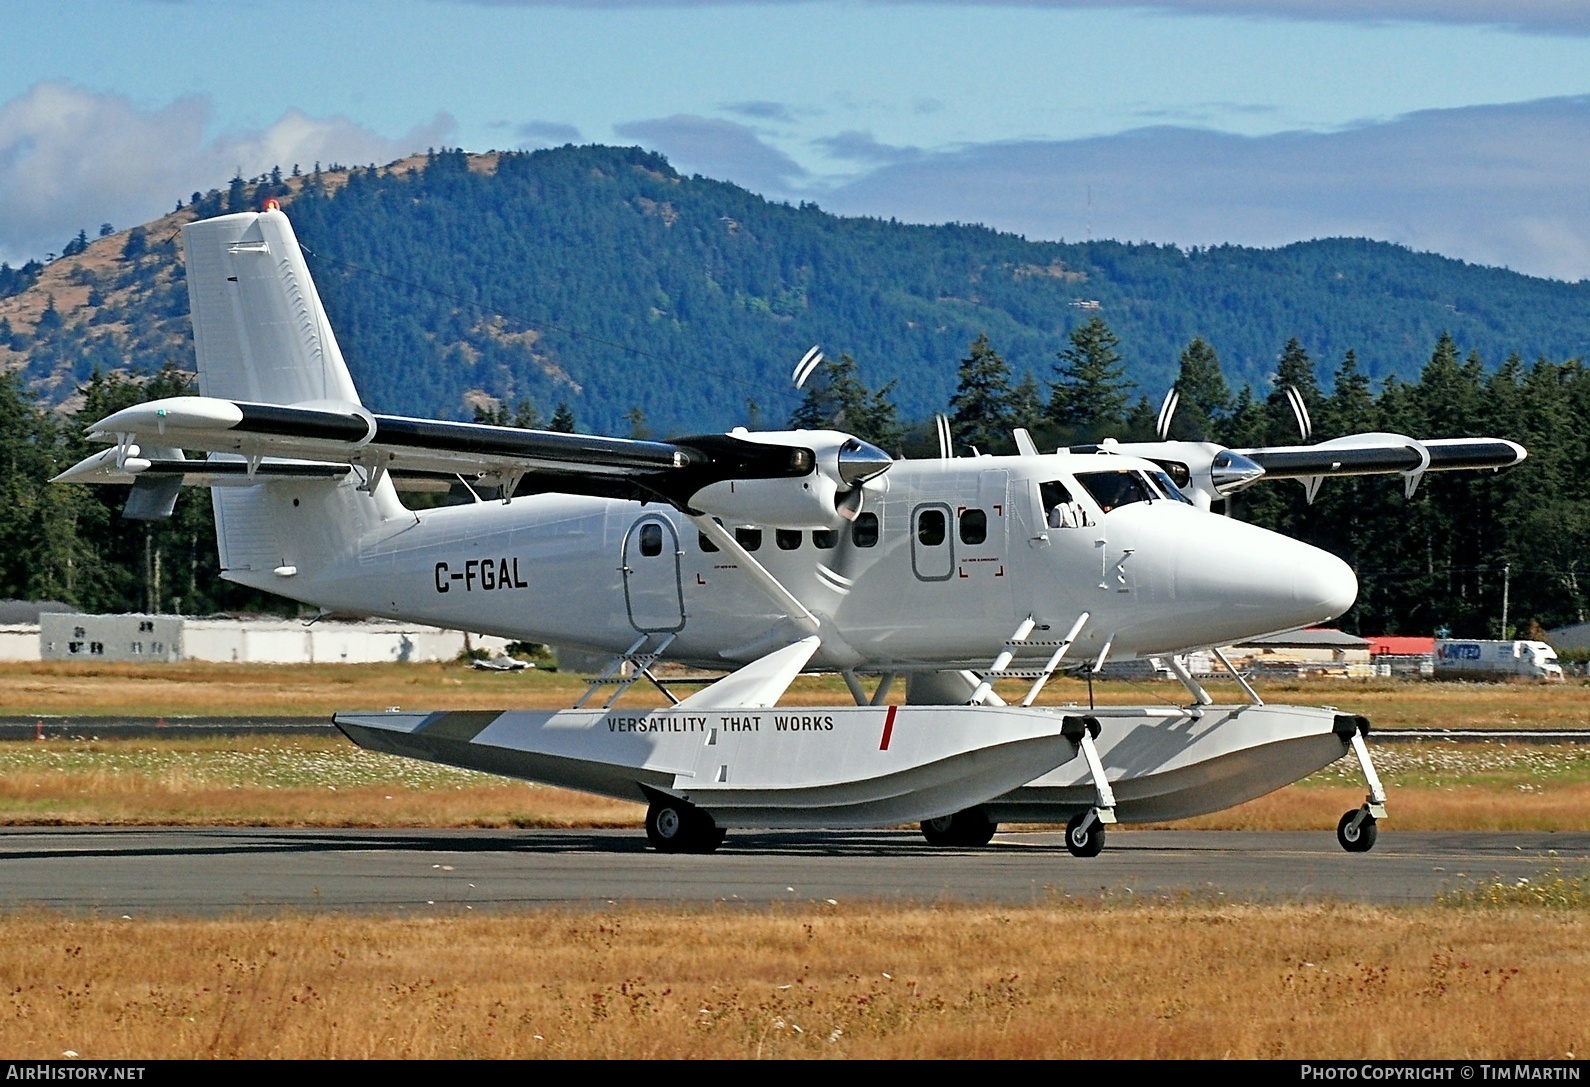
(933, 542)
(652, 589)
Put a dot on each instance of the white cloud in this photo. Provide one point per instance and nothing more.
(720, 149)
(72, 158)
(1502, 185)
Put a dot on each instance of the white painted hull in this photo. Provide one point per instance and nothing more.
(1164, 763)
(798, 767)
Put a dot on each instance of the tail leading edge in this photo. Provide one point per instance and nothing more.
(260, 335)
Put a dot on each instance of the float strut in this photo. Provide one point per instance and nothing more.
(1081, 731)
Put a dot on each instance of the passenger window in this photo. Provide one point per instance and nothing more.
(864, 530)
(826, 539)
(974, 526)
(750, 538)
(1112, 489)
(706, 541)
(930, 528)
(651, 540)
(788, 539)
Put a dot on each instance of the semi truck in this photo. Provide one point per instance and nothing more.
(1460, 658)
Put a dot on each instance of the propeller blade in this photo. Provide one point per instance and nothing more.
(946, 447)
(808, 363)
(1167, 411)
(1305, 425)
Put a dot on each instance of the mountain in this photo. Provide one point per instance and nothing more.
(602, 278)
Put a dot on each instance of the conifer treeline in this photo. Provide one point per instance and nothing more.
(1435, 562)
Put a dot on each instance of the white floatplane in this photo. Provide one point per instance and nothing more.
(772, 553)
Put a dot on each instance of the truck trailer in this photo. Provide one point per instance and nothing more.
(1464, 658)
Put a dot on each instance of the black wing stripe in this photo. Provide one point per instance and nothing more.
(284, 422)
(573, 449)
(1301, 463)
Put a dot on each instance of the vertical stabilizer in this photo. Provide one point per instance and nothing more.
(260, 333)
(261, 336)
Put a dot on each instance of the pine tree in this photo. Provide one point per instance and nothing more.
(1089, 396)
(1205, 398)
(562, 419)
(835, 398)
(1293, 369)
(980, 410)
(1026, 403)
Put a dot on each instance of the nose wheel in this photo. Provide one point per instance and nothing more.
(1085, 834)
(1357, 830)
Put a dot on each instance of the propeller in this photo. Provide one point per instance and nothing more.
(1167, 412)
(946, 446)
(1305, 425)
(808, 363)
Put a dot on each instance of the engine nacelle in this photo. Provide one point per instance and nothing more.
(826, 497)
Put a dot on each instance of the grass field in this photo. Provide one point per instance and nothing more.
(1504, 975)
(326, 781)
(199, 689)
(1491, 971)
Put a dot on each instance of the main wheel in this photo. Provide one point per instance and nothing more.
(668, 825)
(971, 827)
(674, 826)
(1356, 839)
(1084, 835)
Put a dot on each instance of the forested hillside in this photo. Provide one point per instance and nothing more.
(601, 278)
(595, 287)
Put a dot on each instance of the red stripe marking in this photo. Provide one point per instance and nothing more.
(888, 728)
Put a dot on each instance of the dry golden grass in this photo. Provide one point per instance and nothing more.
(201, 689)
(325, 781)
(1164, 980)
(281, 781)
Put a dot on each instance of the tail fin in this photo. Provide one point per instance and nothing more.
(259, 330)
(260, 335)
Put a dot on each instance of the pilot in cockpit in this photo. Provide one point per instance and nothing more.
(1060, 509)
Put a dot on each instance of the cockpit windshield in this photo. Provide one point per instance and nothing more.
(1120, 488)
(1168, 487)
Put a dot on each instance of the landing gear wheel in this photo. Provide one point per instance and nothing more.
(971, 827)
(1085, 835)
(675, 826)
(1356, 839)
(667, 825)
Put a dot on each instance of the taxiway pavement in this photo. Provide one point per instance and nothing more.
(215, 871)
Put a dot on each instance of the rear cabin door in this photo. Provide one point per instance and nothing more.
(652, 589)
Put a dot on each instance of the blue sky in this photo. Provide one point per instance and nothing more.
(1457, 126)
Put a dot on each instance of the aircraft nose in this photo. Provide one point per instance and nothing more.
(1323, 583)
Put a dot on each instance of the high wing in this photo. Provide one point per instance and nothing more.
(250, 442)
(1208, 472)
(1383, 454)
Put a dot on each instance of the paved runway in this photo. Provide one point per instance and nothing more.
(208, 871)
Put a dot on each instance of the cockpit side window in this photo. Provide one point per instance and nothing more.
(1113, 489)
(1060, 510)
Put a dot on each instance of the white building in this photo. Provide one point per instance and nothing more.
(146, 638)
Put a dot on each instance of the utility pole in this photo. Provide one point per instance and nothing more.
(1507, 568)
